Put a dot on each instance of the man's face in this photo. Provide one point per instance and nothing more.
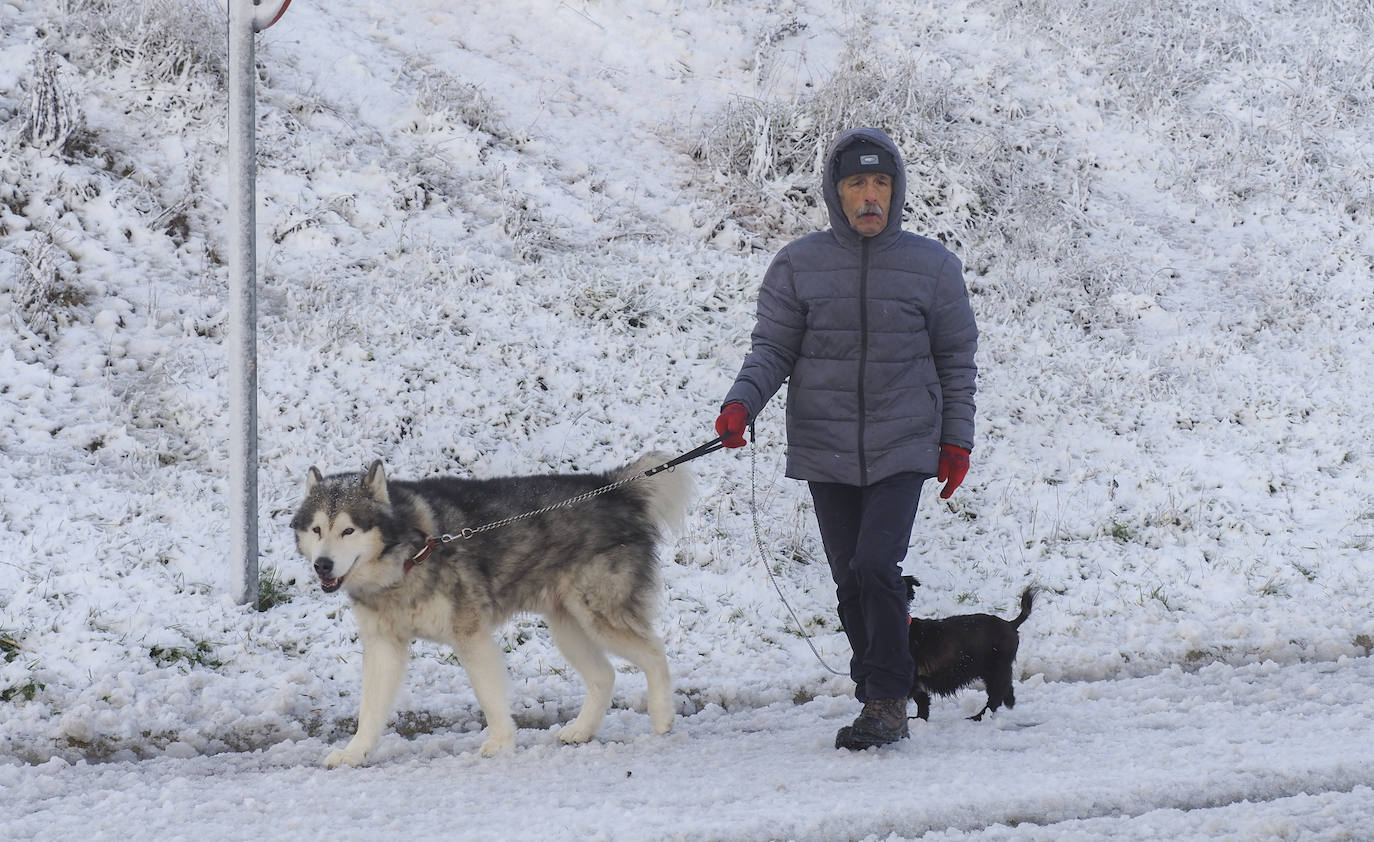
(865, 198)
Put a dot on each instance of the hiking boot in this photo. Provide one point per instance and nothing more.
(882, 721)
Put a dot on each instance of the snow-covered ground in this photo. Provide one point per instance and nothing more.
(1261, 752)
(526, 237)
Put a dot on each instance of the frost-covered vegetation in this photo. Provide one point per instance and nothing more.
(531, 243)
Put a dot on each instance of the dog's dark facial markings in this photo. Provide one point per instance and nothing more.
(953, 652)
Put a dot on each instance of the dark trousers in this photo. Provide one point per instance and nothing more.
(866, 530)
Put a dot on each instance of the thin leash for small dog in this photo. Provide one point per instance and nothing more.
(763, 555)
(467, 532)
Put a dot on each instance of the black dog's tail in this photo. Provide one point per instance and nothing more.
(1027, 597)
(911, 586)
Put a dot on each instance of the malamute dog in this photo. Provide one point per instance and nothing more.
(591, 569)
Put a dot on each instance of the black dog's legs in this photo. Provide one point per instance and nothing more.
(999, 693)
(922, 704)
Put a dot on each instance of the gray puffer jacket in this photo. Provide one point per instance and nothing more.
(876, 338)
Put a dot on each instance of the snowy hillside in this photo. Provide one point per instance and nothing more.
(526, 237)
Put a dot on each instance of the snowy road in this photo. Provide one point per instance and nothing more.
(1256, 752)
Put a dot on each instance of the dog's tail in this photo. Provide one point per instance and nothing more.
(666, 493)
(1027, 597)
(912, 583)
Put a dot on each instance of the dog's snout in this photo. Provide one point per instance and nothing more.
(324, 566)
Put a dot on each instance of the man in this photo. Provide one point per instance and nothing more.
(872, 327)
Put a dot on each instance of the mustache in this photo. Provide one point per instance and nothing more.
(871, 208)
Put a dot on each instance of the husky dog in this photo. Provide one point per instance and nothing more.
(953, 652)
(591, 569)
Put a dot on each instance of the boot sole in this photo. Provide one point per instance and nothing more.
(849, 738)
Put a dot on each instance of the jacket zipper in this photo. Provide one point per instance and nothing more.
(863, 355)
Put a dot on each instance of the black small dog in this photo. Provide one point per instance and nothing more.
(952, 652)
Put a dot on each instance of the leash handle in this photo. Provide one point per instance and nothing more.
(709, 447)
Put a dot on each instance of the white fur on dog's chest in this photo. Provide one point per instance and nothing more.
(431, 619)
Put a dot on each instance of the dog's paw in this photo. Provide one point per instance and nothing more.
(574, 733)
(344, 757)
(662, 721)
(498, 743)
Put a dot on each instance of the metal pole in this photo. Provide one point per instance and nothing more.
(243, 357)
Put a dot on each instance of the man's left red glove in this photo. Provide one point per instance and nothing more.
(953, 468)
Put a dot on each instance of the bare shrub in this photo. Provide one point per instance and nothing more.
(981, 178)
(52, 115)
(530, 234)
(163, 40)
(444, 95)
(44, 297)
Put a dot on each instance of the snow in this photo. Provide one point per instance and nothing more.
(1259, 752)
(526, 237)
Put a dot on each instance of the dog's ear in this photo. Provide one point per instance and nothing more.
(312, 478)
(375, 483)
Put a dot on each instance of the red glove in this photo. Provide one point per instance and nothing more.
(953, 467)
(733, 420)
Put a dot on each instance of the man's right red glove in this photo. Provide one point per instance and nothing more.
(731, 424)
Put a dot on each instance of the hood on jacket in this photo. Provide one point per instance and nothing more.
(839, 223)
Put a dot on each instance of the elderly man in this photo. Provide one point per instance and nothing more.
(871, 326)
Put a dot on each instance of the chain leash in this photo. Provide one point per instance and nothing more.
(763, 555)
(468, 532)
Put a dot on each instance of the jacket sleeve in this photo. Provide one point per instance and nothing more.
(953, 344)
(776, 341)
